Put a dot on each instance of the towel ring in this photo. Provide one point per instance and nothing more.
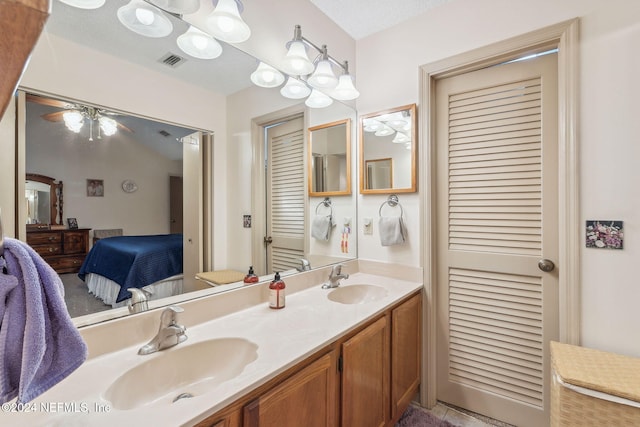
(326, 203)
(392, 201)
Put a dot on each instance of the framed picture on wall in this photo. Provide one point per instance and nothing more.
(73, 223)
(95, 188)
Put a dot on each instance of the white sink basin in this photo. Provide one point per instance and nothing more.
(357, 294)
(183, 371)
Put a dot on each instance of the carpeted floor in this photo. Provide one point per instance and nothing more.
(418, 417)
(79, 300)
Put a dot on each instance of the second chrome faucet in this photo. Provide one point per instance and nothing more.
(169, 334)
(334, 277)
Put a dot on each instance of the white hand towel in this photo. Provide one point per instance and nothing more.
(391, 231)
(321, 227)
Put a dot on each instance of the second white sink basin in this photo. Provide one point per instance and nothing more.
(184, 371)
(357, 294)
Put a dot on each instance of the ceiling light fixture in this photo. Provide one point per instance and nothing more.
(180, 7)
(226, 24)
(84, 4)
(295, 89)
(74, 121)
(144, 19)
(267, 76)
(199, 44)
(314, 78)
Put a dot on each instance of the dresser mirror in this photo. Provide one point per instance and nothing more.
(43, 199)
(329, 159)
(388, 141)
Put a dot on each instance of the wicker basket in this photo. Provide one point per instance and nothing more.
(594, 388)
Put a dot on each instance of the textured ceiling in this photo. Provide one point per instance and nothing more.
(361, 18)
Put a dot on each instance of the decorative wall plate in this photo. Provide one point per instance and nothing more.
(129, 186)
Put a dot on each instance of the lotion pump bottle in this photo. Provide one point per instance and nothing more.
(276, 292)
(251, 276)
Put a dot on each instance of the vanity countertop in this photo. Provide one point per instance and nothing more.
(284, 337)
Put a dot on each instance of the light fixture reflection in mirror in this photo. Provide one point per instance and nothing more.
(388, 151)
(329, 159)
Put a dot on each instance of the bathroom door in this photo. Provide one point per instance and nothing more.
(286, 205)
(497, 218)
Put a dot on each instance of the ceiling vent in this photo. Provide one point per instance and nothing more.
(164, 133)
(172, 60)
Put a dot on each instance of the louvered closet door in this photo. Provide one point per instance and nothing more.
(496, 143)
(285, 195)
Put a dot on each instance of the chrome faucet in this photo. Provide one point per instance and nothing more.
(305, 265)
(335, 276)
(170, 333)
(139, 300)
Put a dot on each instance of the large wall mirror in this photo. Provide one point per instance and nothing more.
(125, 179)
(388, 142)
(329, 159)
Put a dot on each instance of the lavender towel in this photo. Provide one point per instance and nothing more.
(39, 345)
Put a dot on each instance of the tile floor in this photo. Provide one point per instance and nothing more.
(461, 418)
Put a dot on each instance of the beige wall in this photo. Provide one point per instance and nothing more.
(608, 130)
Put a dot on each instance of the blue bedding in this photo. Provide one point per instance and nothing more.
(135, 261)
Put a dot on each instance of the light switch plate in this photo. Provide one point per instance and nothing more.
(368, 225)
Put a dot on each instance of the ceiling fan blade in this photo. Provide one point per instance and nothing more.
(47, 101)
(54, 117)
(125, 128)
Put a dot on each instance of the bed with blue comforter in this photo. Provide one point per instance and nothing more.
(135, 261)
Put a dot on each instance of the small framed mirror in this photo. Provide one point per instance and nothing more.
(388, 141)
(329, 159)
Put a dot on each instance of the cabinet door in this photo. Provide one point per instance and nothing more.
(365, 377)
(405, 353)
(308, 398)
(226, 418)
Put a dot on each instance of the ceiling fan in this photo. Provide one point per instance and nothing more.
(75, 115)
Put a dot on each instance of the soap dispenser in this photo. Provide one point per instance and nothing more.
(276, 292)
(250, 277)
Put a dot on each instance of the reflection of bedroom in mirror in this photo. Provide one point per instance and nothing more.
(120, 224)
(388, 151)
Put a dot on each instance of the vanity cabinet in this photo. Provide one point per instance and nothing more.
(307, 398)
(63, 250)
(367, 378)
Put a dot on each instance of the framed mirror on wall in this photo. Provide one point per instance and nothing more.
(329, 160)
(388, 145)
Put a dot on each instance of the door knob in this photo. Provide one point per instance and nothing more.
(546, 265)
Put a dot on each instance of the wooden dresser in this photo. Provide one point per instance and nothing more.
(64, 250)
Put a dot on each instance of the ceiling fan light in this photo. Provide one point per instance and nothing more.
(84, 4)
(296, 62)
(199, 44)
(267, 76)
(108, 125)
(318, 99)
(143, 19)
(226, 24)
(295, 89)
(323, 77)
(181, 7)
(73, 120)
(345, 91)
